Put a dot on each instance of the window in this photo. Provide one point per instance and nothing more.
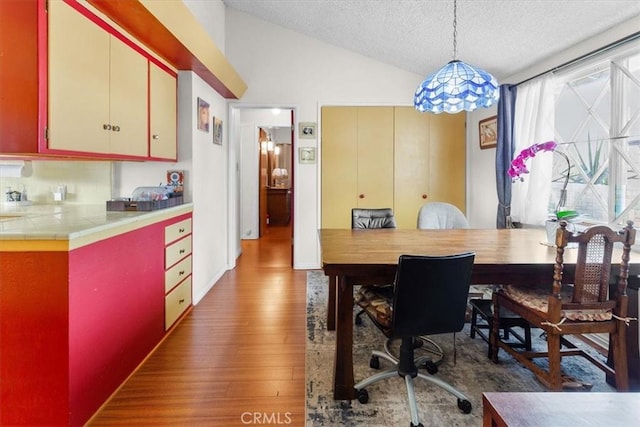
(597, 124)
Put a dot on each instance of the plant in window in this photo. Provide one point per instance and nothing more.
(590, 163)
(519, 168)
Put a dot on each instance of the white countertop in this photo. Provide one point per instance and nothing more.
(69, 221)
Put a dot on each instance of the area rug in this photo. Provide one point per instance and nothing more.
(472, 374)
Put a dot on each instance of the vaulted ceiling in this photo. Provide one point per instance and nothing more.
(502, 36)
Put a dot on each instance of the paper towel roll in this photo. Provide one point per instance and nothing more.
(15, 168)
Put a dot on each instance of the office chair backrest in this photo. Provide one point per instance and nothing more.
(440, 215)
(372, 218)
(430, 294)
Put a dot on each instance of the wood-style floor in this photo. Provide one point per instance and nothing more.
(237, 359)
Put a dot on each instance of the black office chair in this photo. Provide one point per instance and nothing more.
(369, 219)
(372, 218)
(430, 297)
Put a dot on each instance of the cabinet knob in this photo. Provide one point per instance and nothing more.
(106, 126)
(182, 251)
(424, 196)
(181, 301)
(181, 273)
(155, 136)
(181, 230)
(361, 196)
(116, 128)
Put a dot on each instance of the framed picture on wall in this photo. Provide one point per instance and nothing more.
(307, 155)
(202, 120)
(488, 132)
(307, 130)
(217, 131)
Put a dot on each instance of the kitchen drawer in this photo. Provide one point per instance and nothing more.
(176, 302)
(175, 231)
(175, 252)
(177, 273)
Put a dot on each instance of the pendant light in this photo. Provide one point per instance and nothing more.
(457, 86)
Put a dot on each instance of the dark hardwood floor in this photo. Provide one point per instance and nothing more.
(237, 359)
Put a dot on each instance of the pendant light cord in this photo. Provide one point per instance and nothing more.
(455, 30)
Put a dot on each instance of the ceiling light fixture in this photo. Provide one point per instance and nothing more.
(457, 86)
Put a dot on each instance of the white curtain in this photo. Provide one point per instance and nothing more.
(533, 124)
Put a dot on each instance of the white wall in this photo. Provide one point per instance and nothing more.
(282, 67)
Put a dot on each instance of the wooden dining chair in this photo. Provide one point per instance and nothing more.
(585, 306)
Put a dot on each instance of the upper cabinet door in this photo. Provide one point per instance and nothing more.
(128, 100)
(162, 113)
(78, 82)
(98, 88)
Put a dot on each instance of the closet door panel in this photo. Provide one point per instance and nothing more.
(339, 157)
(411, 164)
(375, 157)
(447, 159)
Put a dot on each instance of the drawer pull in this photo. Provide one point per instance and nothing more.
(181, 230)
(181, 301)
(181, 273)
(182, 251)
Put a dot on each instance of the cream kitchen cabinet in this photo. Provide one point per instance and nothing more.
(357, 161)
(97, 88)
(177, 263)
(389, 157)
(82, 310)
(162, 113)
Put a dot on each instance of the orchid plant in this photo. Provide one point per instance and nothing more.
(519, 168)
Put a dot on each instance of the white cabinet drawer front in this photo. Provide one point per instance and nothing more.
(177, 302)
(175, 231)
(177, 273)
(177, 251)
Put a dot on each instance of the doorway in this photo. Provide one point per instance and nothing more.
(262, 142)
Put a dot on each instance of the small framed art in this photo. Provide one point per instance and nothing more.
(217, 131)
(488, 132)
(202, 121)
(307, 130)
(307, 155)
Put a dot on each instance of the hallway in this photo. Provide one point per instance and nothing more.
(237, 359)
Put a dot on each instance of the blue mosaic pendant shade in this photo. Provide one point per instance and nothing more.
(455, 87)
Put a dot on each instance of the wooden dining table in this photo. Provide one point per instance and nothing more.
(356, 257)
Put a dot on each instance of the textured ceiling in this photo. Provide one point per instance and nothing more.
(502, 36)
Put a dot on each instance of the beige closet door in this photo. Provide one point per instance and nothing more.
(375, 157)
(339, 157)
(78, 81)
(357, 162)
(447, 159)
(412, 186)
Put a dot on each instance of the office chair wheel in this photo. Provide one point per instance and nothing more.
(464, 405)
(362, 395)
(374, 362)
(431, 367)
